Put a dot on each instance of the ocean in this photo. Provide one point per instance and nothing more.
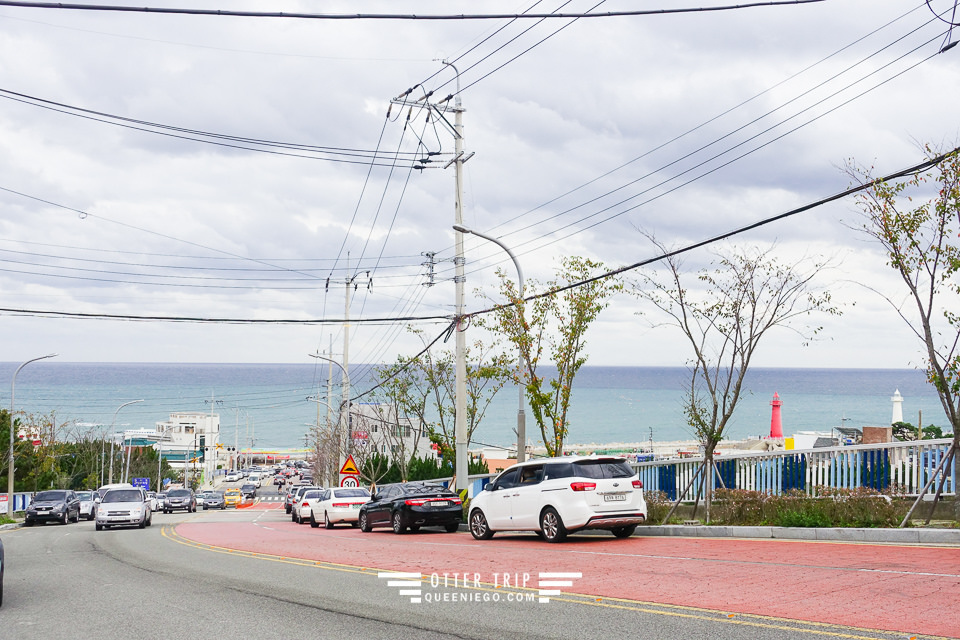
(267, 404)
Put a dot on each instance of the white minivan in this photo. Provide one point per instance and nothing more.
(556, 496)
(254, 478)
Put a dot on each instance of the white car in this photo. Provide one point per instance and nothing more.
(556, 496)
(233, 476)
(336, 505)
(302, 509)
(124, 507)
(88, 505)
(254, 478)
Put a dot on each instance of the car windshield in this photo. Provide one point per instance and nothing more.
(179, 493)
(351, 493)
(123, 495)
(85, 495)
(248, 487)
(50, 496)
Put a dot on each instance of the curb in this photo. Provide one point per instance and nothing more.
(11, 526)
(896, 536)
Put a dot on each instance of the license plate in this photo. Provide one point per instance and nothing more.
(355, 506)
(440, 503)
(615, 497)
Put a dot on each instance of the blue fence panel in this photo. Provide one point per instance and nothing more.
(875, 469)
(667, 480)
(727, 472)
(794, 472)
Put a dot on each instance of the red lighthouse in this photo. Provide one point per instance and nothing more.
(776, 427)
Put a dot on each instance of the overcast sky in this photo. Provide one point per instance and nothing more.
(685, 125)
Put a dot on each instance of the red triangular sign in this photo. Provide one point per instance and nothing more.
(349, 466)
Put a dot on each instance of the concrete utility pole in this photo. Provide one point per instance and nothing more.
(459, 158)
(460, 424)
(113, 425)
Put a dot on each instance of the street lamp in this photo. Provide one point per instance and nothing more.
(10, 472)
(112, 427)
(160, 456)
(521, 418)
(345, 405)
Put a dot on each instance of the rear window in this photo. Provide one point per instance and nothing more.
(599, 469)
(351, 493)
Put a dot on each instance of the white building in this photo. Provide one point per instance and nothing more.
(189, 440)
(374, 427)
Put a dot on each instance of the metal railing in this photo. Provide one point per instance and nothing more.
(903, 467)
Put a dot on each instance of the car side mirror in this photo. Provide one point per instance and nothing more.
(491, 486)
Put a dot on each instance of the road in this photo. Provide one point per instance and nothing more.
(253, 572)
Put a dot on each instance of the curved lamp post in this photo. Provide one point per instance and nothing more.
(521, 418)
(10, 468)
(345, 405)
(112, 427)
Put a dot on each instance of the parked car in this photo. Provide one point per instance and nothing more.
(248, 490)
(232, 497)
(213, 500)
(411, 505)
(288, 499)
(55, 505)
(233, 476)
(152, 499)
(303, 508)
(88, 506)
(124, 507)
(180, 499)
(559, 495)
(336, 505)
(293, 497)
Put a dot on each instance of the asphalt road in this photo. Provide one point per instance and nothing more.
(70, 581)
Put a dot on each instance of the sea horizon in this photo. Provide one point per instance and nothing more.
(266, 403)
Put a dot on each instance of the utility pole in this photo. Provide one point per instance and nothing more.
(459, 158)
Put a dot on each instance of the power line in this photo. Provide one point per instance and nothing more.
(391, 16)
(200, 320)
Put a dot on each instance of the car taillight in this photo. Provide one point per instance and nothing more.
(638, 484)
(417, 502)
(583, 486)
(341, 504)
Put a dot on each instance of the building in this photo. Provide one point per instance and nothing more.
(190, 440)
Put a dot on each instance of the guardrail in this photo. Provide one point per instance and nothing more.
(903, 466)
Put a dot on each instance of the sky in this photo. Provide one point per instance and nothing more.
(245, 168)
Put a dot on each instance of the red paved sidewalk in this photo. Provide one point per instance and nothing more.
(895, 588)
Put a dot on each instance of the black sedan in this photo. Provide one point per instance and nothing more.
(411, 505)
(56, 505)
(249, 490)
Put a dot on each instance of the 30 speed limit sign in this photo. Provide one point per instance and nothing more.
(350, 481)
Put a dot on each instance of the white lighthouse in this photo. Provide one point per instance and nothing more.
(897, 400)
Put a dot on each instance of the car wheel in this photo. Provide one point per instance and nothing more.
(91, 516)
(222, 507)
(326, 521)
(313, 522)
(28, 523)
(143, 523)
(398, 527)
(453, 527)
(624, 532)
(150, 519)
(414, 527)
(98, 527)
(552, 526)
(66, 517)
(286, 508)
(479, 528)
(363, 524)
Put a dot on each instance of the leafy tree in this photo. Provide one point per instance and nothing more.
(724, 313)
(571, 302)
(921, 244)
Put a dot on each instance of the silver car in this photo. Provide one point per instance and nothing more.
(124, 507)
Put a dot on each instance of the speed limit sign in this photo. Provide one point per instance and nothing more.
(350, 481)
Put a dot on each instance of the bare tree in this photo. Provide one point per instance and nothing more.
(921, 244)
(369, 451)
(724, 313)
